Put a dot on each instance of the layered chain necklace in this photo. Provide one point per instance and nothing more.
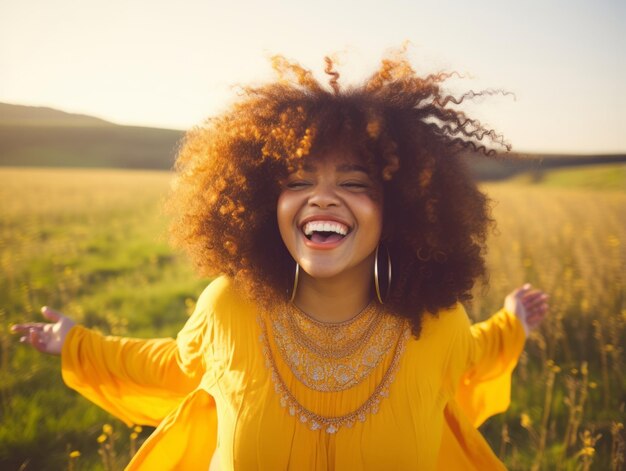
(332, 357)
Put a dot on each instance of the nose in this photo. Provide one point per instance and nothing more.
(324, 196)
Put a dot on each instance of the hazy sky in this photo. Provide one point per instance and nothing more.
(172, 64)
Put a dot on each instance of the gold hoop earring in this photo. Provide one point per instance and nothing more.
(295, 283)
(376, 278)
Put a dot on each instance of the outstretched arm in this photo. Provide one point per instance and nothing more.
(45, 336)
(529, 305)
(137, 380)
(492, 349)
(497, 340)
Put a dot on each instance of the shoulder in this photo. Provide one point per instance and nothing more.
(218, 297)
(437, 353)
(441, 334)
(224, 301)
(219, 292)
(446, 323)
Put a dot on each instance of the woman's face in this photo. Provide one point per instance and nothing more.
(330, 215)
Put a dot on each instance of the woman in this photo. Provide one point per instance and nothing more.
(346, 231)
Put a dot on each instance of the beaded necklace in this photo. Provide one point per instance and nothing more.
(332, 357)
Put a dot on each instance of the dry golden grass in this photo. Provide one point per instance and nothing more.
(570, 383)
(50, 193)
(91, 242)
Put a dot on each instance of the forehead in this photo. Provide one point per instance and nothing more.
(342, 161)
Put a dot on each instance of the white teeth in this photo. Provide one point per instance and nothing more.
(325, 226)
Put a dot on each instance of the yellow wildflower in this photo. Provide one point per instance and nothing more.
(525, 421)
(613, 241)
(584, 304)
(102, 438)
(75, 454)
(137, 429)
(106, 428)
(587, 451)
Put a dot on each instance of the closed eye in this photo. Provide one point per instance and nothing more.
(355, 185)
(297, 184)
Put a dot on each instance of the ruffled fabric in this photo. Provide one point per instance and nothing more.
(495, 346)
(210, 391)
(185, 439)
(490, 349)
(138, 381)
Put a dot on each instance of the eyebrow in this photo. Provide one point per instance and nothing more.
(352, 168)
(340, 168)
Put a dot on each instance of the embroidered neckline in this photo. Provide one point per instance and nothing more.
(334, 357)
(322, 370)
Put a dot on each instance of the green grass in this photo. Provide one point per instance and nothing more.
(593, 177)
(93, 243)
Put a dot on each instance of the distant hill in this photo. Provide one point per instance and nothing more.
(45, 137)
(535, 165)
(19, 115)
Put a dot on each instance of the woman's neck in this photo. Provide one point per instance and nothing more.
(334, 299)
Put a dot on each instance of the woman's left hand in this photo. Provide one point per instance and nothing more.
(530, 305)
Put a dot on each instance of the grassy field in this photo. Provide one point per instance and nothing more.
(92, 243)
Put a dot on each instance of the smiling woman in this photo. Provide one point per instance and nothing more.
(306, 353)
(399, 128)
(330, 220)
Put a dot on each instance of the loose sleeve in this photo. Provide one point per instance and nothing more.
(139, 381)
(478, 362)
(491, 350)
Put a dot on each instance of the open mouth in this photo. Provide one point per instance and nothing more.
(325, 232)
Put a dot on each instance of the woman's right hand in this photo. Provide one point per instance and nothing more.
(47, 337)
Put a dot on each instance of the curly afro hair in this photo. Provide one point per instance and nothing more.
(409, 135)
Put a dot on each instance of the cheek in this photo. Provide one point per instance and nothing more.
(377, 224)
(373, 207)
(285, 214)
(372, 217)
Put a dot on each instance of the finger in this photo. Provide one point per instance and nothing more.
(535, 305)
(27, 338)
(533, 294)
(539, 310)
(537, 316)
(20, 328)
(16, 328)
(51, 314)
(540, 307)
(521, 291)
(535, 301)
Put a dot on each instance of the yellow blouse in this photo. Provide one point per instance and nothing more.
(210, 391)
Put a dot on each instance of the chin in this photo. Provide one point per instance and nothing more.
(318, 271)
